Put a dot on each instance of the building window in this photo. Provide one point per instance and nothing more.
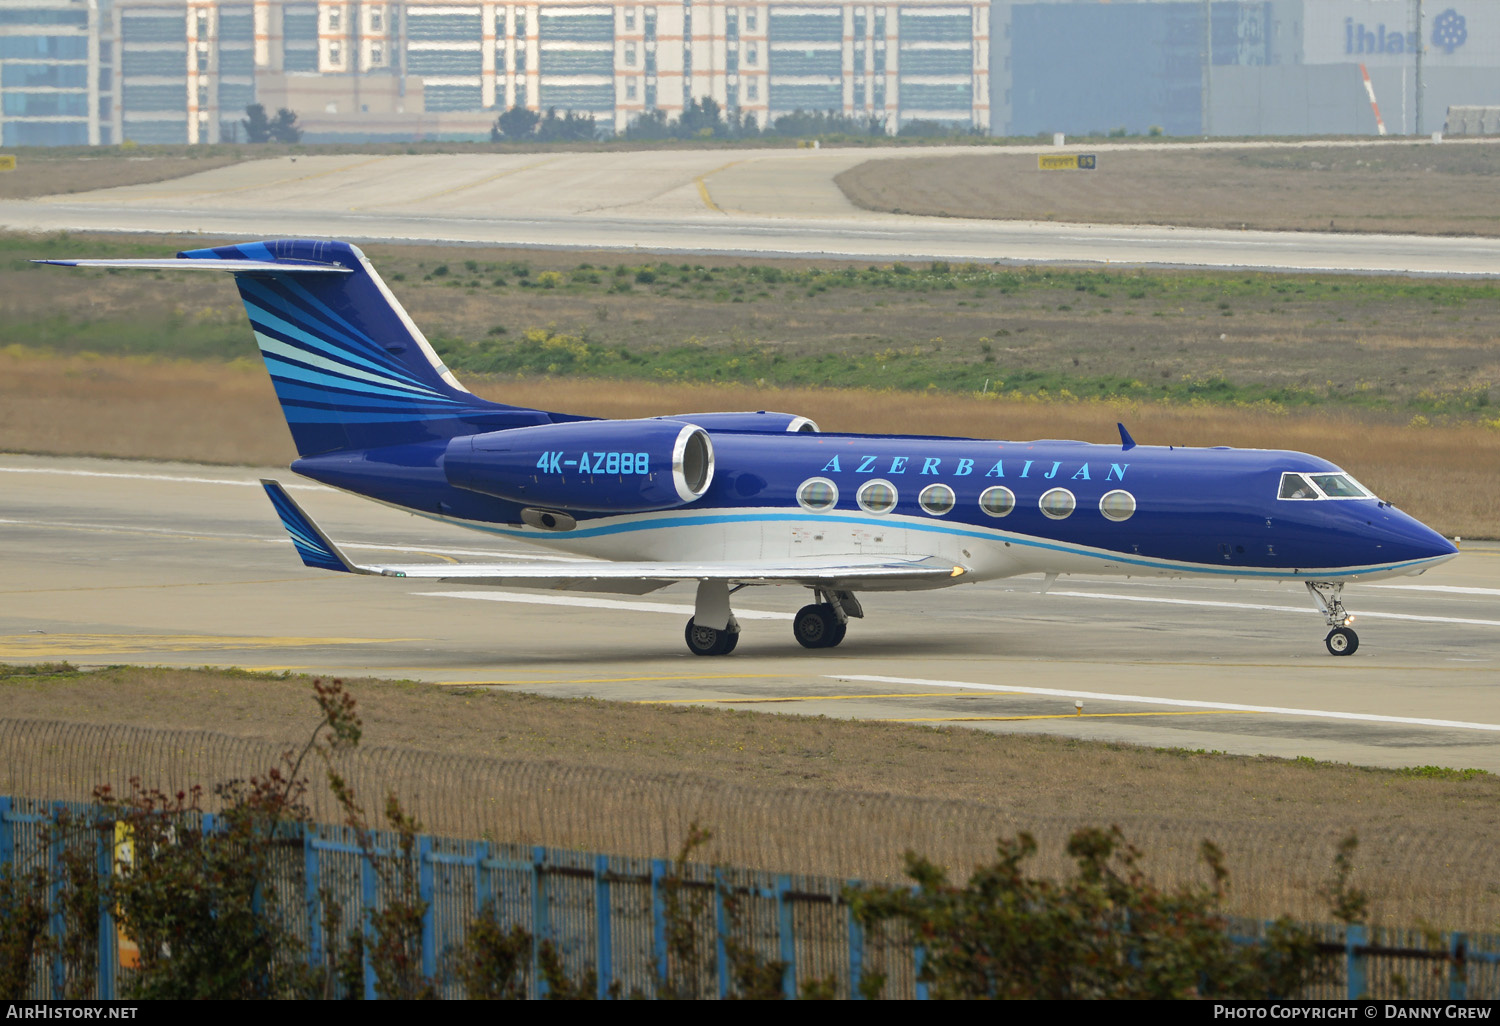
(752, 90)
(630, 21)
(335, 55)
(377, 56)
(751, 21)
(630, 86)
(752, 54)
(630, 55)
(377, 21)
(335, 20)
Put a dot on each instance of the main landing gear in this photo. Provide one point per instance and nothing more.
(714, 631)
(1341, 640)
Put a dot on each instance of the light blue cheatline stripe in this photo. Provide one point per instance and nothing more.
(1275, 710)
(660, 523)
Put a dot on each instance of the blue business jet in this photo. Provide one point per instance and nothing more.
(730, 500)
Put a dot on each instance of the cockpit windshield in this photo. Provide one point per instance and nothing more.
(1295, 486)
(1322, 486)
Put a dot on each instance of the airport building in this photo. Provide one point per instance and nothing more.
(183, 71)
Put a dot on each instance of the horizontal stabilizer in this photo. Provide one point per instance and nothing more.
(239, 266)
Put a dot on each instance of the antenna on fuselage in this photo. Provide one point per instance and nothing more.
(1126, 442)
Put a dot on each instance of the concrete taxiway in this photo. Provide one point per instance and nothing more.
(182, 565)
(710, 202)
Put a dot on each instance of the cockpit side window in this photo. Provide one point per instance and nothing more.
(1295, 486)
(1341, 486)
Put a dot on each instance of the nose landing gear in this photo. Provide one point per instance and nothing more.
(1341, 640)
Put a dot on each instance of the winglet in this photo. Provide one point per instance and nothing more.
(311, 543)
(1126, 442)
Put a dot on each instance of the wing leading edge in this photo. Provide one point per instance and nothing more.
(829, 572)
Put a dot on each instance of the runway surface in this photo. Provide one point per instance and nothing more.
(182, 565)
(771, 202)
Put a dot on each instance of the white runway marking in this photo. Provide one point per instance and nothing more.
(597, 603)
(1273, 609)
(1188, 703)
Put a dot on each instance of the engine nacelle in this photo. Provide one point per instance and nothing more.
(757, 422)
(593, 466)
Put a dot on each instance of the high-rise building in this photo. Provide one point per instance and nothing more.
(55, 73)
(445, 68)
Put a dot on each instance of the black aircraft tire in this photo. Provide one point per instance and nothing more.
(816, 626)
(705, 641)
(1341, 641)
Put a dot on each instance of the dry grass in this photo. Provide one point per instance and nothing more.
(772, 786)
(1396, 187)
(217, 413)
(44, 171)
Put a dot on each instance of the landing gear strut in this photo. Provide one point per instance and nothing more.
(1341, 640)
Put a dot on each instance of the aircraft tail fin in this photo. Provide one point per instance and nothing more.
(350, 367)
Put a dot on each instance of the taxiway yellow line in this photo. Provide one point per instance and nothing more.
(708, 201)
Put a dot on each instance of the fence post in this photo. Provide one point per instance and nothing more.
(104, 858)
(603, 915)
(425, 890)
(7, 833)
(54, 894)
(856, 949)
(1458, 967)
(659, 918)
(540, 925)
(721, 929)
(785, 921)
(312, 884)
(1355, 961)
(483, 892)
(368, 898)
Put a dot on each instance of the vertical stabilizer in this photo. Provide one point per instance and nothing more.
(350, 368)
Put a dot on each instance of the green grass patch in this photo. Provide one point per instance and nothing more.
(38, 671)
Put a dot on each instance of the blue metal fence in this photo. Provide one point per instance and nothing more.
(612, 914)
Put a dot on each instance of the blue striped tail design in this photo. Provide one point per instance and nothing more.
(311, 544)
(350, 368)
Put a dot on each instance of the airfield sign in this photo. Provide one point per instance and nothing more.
(1067, 162)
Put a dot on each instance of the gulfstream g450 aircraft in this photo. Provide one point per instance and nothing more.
(730, 500)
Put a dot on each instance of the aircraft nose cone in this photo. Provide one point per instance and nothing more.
(1415, 541)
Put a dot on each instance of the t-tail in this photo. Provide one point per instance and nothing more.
(350, 368)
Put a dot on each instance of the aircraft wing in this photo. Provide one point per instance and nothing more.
(831, 572)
